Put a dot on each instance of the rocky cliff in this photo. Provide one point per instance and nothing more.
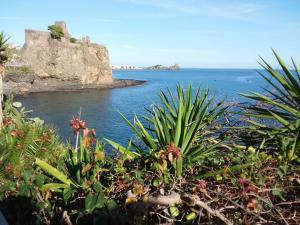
(63, 60)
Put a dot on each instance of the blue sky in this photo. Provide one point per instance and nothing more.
(193, 33)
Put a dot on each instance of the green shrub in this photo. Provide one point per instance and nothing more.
(21, 139)
(73, 40)
(56, 32)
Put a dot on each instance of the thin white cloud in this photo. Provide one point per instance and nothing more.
(107, 20)
(157, 50)
(10, 18)
(231, 9)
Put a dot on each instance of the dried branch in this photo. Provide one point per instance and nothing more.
(190, 200)
(65, 219)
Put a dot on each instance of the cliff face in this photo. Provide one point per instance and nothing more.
(83, 62)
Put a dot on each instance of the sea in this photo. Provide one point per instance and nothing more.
(101, 108)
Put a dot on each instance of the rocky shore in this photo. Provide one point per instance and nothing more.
(48, 63)
(31, 84)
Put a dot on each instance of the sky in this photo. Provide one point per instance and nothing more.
(192, 33)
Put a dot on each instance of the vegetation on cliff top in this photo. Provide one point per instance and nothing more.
(56, 32)
(187, 164)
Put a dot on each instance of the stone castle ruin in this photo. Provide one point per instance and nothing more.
(60, 59)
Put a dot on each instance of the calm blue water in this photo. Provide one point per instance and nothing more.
(100, 107)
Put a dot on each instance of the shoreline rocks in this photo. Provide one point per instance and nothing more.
(53, 85)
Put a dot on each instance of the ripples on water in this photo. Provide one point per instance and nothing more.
(100, 107)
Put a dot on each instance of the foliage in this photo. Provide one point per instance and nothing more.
(81, 184)
(19, 70)
(178, 131)
(22, 139)
(3, 48)
(20, 198)
(56, 31)
(185, 167)
(73, 40)
(280, 106)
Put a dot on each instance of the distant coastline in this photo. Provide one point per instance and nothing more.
(155, 67)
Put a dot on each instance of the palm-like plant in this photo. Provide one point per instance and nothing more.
(282, 106)
(3, 59)
(178, 128)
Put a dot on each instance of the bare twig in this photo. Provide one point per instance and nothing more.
(190, 200)
(66, 219)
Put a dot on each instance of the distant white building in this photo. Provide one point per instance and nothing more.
(125, 67)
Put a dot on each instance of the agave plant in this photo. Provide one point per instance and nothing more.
(176, 129)
(280, 106)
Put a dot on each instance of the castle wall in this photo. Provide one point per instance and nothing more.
(36, 37)
(83, 62)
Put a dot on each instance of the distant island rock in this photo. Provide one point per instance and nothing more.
(161, 67)
(50, 61)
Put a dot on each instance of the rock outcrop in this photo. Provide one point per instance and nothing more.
(63, 60)
(161, 67)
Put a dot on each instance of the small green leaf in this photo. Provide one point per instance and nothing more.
(90, 202)
(111, 205)
(155, 182)
(68, 193)
(39, 180)
(191, 216)
(174, 211)
(24, 190)
(99, 200)
(277, 192)
(97, 187)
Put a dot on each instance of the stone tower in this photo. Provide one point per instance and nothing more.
(64, 28)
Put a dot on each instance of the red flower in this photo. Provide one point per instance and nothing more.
(93, 132)
(20, 133)
(246, 185)
(82, 124)
(14, 133)
(7, 121)
(46, 137)
(252, 204)
(19, 146)
(174, 150)
(201, 184)
(77, 124)
(7, 168)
